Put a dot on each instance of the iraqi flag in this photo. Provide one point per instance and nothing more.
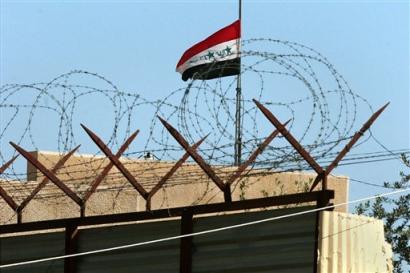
(216, 56)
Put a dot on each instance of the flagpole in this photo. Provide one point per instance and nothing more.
(238, 129)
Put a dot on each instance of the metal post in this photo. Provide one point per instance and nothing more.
(82, 210)
(238, 115)
(185, 262)
(322, 201)
(324, 181)
(71, 236)
(9, 200)
(316, 253)
(19, 216)
(227, 193)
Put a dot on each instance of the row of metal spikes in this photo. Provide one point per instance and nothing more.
(191, 151)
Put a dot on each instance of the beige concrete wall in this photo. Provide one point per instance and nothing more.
(352, 243)
(188, 186)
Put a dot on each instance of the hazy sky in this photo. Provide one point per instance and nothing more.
(136, 44)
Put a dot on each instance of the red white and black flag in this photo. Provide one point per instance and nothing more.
(216, 56)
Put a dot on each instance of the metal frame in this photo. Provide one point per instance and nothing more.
(319, 197)
(71, 225)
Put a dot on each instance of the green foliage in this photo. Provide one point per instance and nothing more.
(395, 212)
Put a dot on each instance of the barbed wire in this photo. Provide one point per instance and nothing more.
(294, 81)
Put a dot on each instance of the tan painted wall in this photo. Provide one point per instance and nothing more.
(188, 186)
(352, 243)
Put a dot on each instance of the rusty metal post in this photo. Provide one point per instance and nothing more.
(253, 156)
(348, 146)
(50, 175)
(107, 168)
(289, 137)
(9, 200)
(117, 163)
(19, 217)
(324, 182)
(82, 210)
(198, 159)
(227, 193)
(71, 238)
(185, 262)
(168, 175)
(7, 164)
(322, 200)
(45, 180)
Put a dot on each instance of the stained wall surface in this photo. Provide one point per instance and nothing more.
(352, 243)
(188, 186)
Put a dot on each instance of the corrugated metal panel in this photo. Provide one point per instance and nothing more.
(352, 243)
(30, 247)
(285, 245)
(159, 257)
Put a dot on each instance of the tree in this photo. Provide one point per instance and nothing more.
(395, 213)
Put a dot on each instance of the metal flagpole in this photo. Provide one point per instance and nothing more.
(238, 129)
